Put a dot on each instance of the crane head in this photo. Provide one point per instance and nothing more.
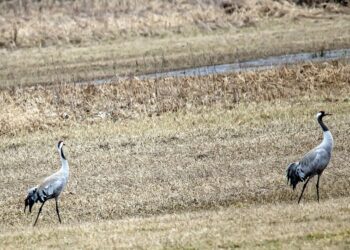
(321, 114)
(60, 144)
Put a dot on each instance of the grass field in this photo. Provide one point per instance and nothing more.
(173, 163)
(179, 163)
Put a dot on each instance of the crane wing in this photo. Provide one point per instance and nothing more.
(51, 187)
(314, 162)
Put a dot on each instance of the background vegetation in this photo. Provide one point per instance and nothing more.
(50, 42)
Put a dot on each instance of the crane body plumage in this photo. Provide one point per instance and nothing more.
(314, 162)
(51, 187)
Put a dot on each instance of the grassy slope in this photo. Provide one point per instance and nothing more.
(217, 162)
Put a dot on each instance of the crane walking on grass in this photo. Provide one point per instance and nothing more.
(51, 187)
(314, 162)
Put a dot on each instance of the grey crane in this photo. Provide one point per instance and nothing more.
(51, 187)
(314, 162)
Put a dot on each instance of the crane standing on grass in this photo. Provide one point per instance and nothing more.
(51, 187)
(314, 162)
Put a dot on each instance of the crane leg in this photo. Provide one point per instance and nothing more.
(58, 211)
(37, 217)
(317, 188)
(302, 192)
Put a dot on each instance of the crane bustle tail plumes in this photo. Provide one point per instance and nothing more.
(293, 174)
(32, 198)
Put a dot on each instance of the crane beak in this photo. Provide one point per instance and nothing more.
(328, 114)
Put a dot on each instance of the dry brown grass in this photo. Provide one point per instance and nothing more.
(41, 108)
(277, 226)
(147, 148)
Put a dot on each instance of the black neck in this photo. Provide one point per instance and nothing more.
(324, 127)
(62, 155)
